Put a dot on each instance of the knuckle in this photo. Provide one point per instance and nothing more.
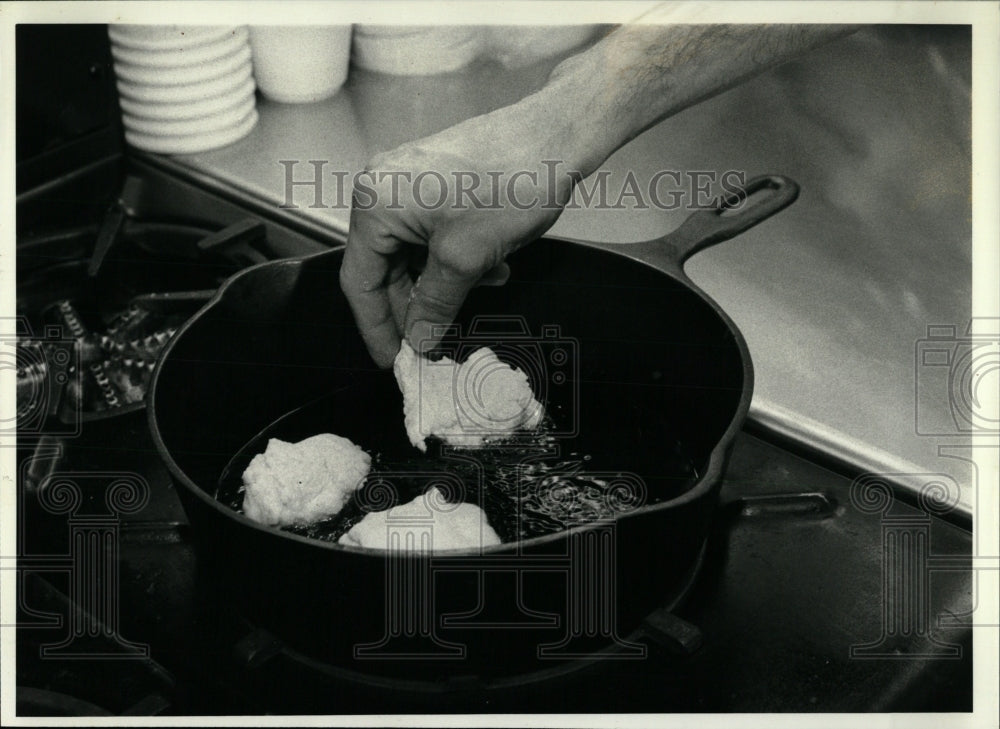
(434, 300)
(466, 260)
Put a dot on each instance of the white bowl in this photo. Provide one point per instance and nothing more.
(183, 75)
(217, 121)
(186, 93)
(192, 143)
(407, 50)
(524, 45)
(297, 65)
(189, 109)
(166, 37)
(184, 56)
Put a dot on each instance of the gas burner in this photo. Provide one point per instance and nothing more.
(97, 304)
(108, 371)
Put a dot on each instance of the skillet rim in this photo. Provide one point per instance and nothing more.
(709, 480)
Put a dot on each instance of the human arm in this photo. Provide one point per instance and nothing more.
(593, 103)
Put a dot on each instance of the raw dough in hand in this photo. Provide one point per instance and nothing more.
(466, 404)
(304, 482)
(462, 526)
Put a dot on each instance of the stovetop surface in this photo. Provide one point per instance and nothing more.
(813, 595)
(791, 583)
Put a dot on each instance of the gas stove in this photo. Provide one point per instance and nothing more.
(805, 598)
(819, 589)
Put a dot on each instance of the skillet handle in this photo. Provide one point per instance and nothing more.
(729, 218)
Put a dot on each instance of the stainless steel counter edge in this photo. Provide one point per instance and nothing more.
(331, 232)
(841, 449)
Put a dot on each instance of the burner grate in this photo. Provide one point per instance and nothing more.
(114, 297)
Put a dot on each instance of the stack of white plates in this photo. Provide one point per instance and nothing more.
(183, 89)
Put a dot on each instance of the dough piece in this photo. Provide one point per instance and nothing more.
(467, 404)
(462, 526)
(304, 482)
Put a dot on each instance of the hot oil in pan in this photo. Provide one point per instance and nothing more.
(532, 485)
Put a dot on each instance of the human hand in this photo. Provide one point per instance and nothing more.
(592, 103)
(449, 208)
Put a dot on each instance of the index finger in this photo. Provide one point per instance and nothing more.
(364, 276)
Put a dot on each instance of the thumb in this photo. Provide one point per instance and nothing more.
(435, 300)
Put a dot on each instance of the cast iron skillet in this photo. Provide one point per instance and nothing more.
(653, 381)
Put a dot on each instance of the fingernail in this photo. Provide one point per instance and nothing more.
(421, 336)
